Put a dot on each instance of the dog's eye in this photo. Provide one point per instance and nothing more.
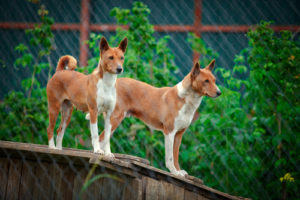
(122, 58)
(111, 57)
(206, 81)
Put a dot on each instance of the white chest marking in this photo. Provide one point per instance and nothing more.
(106, 93)
(186, 113)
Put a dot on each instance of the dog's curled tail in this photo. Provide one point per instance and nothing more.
(66, 63)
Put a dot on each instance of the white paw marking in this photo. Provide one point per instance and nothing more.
(99, 151)
(51, 144)
(181, 173)
(109, 154)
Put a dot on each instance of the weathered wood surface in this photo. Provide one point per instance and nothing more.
(30, 171)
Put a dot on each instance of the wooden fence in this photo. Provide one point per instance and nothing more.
(31, 171)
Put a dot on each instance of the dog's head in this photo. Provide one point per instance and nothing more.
(203, 81)
(112, 58)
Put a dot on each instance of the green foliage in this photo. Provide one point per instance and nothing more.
(147, 59)
(273, 94)
(24, 117)
(199, 46)
(41, 37)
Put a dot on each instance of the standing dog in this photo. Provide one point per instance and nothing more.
(94, 93)
(169, 109)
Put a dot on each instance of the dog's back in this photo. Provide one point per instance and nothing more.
(59, 87)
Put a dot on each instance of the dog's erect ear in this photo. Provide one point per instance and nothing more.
(123, 44)
(211, 65)
(103, 44)
(195, 71)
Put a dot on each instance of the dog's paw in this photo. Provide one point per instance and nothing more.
(98, 151)
(87, 116)
(54, 147)
(180, 173)
(109, 155)
(59, 148)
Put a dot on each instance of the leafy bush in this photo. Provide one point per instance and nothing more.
(272, 96)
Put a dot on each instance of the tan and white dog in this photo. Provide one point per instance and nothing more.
(169, 109)
(94, 93)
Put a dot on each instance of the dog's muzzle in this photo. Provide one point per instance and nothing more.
(218, 92)
(119, 69)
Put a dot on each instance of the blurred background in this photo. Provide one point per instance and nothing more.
(245, 143)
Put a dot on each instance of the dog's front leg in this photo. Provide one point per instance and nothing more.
(177, 142)
(169, 148)
(94, 131)
(105, 144)
(169, 141)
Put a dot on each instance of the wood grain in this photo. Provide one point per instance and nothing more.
(14, 177)
(31, 171)
(4, 169)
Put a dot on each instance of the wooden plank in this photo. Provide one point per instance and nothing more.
(78, 184)
(181, 181)
(28, 180)
(4, 170)
(160, 28)
(170, 191)
(164, 175)
(111, 189)
(58, 175)
(84, 31)
(43, 186)
(79, 153)
(197, 17)
(133, 190)
(14, 177)
(191, 195)
(64, 180)
(97, 186)
(152, 188)
(194, 179)
(81, 159)
(115, 165)
(22, 25)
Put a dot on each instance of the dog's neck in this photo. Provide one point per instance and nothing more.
(109, 79)
(186, 91)
(185, 88)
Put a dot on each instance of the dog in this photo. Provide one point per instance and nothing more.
(94, 93)
(168, 109)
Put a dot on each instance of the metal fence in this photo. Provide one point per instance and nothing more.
(221, 24)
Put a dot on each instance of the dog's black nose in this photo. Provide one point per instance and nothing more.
(119, 70)
(219, 93)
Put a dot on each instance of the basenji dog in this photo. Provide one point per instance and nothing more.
(94, 93)
(169, 109)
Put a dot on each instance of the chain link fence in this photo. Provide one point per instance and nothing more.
(227, 158)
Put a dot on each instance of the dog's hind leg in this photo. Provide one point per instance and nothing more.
(53, 109)
(66, 113)
(115, 119)
(105, 144)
